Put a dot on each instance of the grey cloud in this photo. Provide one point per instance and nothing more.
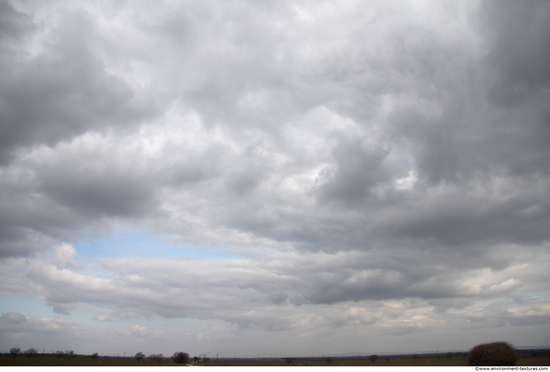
(13, 23)
(31, 222)
(64, 92)
(244, 182)
(13, 318)
(439, 132)
(462, 219)
(184, 288)
(357, 171)
(105, 193)
(57, 332)
(520, 53)
(63, 309)
(354, 157)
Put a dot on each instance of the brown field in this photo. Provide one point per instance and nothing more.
(524, 360)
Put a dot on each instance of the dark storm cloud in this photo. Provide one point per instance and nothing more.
(518, 63)
(458, 218)
(63, 91)
(520, 50)
(117, 190)
(357, 171)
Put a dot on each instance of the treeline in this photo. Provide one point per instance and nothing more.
(32, 352)
(179, 357)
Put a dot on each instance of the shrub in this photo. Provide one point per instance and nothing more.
(181, 357)
(493, 354)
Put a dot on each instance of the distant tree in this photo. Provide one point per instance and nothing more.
(31, 352)
(181, 357)
(139, 356)
(94, 356)
(59, 354)
(69, 354)
(205, 360)
(415, 357)
(387, 359)
(328, 360)
(289, 360)
(195, 359)
(450, 355)
(156, 358)
(493, 354)
(14, 351)
(373, 358)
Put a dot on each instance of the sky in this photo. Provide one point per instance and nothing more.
(274, 178)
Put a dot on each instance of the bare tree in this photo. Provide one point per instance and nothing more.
(14, 351)
(69, 354)
(59, 354)
(450, 355)
(328, 360)
(205, 360)
(139, 356)
(373, 358)
(94, 356)
(31, 352)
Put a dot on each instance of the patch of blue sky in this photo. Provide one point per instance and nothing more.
(127, 244)
(537, 294)
(38, 309)
(30, 307)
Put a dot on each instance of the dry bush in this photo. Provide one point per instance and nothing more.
(493, 354)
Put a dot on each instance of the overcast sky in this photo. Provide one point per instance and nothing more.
(274, 178)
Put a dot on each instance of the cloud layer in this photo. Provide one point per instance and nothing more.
(378, 168)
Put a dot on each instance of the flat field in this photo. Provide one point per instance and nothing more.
(115, 361)
(522, 361)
